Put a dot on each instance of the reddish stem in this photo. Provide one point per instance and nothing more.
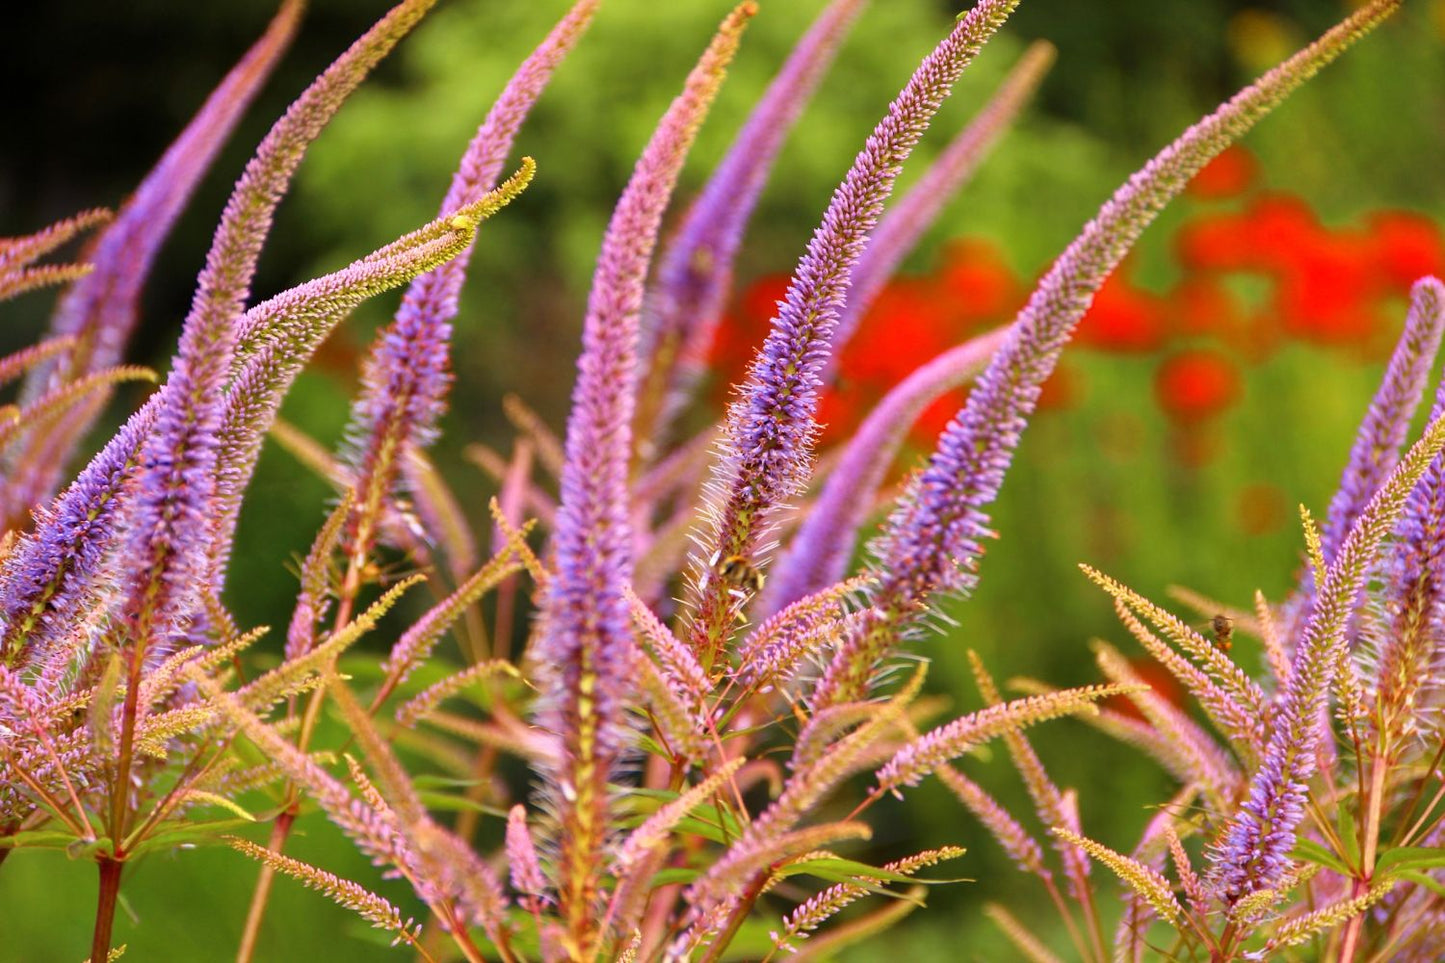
(105, 903)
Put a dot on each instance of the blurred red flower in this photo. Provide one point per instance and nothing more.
(1124, 318)
(1407, 247)
(1231, 173)
(976, 284)
(1195, 385)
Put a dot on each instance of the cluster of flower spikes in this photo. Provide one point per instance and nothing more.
(1312, 794)
(1329, 286)
(118, 642)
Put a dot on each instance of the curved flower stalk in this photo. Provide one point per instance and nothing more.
(899, 230)
(695, 271)
(816, 910)
(375, 829)
(406, 377)
(1200, 760)
(54, 404)
(280, 335)
(59, 567)
(366, 904)
(766, 448)
(101, 311)
(1143, 879)
(819, 553)
(1230, 698)
(17, 363)
(1378, 441)
(1053, 806)
(586, 646)
(931, 542)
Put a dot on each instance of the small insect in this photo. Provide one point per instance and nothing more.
(1223, 627)
(738, 572)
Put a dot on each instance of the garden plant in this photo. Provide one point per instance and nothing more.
(689, 658)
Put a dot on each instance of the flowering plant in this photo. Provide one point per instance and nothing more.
(654, 817)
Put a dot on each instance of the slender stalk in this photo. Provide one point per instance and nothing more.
(1371, 836)
(105, 903)
(1223, 951)
(1075, 935)
(280, 829)
(1404, 835)
(737, 917)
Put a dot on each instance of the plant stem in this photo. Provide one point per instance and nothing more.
(280, 829)
(1371, 836)
(737, 916)
(105, 902)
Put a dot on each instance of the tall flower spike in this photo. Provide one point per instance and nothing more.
(919, 757)
(1378, 441)
(102, 309)
(766, 448)
(586, 648)
(279, 336)
(931, 542)
(901, 228)
(694, 274)
(406, 377)
(1415, 583)
(819, 553)
(1253, 854)
(168, 522)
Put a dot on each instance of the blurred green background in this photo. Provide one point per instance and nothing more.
(97, 89)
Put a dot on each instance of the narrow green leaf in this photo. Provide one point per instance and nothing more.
(1313, 852)
(1410, 857)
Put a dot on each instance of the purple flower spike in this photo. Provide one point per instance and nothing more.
(901, 228)
(767, 449)
(17, 272)
(586, 650)
(168, 526)
(278, 337)
(694, 274)
(1377, 443)
(406, 377)
(819, 553)
(1415, 583)
(102, 309)
(56, 571)
(932, 540)
(1255, 850)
